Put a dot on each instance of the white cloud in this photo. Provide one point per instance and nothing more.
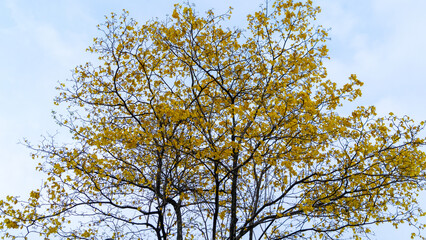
(381, 41)
(36, 55)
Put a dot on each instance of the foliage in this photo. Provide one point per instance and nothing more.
(191, 130)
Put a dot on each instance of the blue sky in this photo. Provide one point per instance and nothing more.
(382, 41)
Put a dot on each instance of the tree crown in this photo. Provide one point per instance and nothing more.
(191, 130)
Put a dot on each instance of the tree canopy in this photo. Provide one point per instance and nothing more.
(191, 130)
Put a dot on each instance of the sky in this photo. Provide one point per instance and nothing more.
(382, 41)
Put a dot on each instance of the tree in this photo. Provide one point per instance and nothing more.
(191, 130)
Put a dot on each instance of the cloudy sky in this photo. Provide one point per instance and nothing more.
(382, 41)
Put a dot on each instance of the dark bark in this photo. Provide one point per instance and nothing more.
(216, 202)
